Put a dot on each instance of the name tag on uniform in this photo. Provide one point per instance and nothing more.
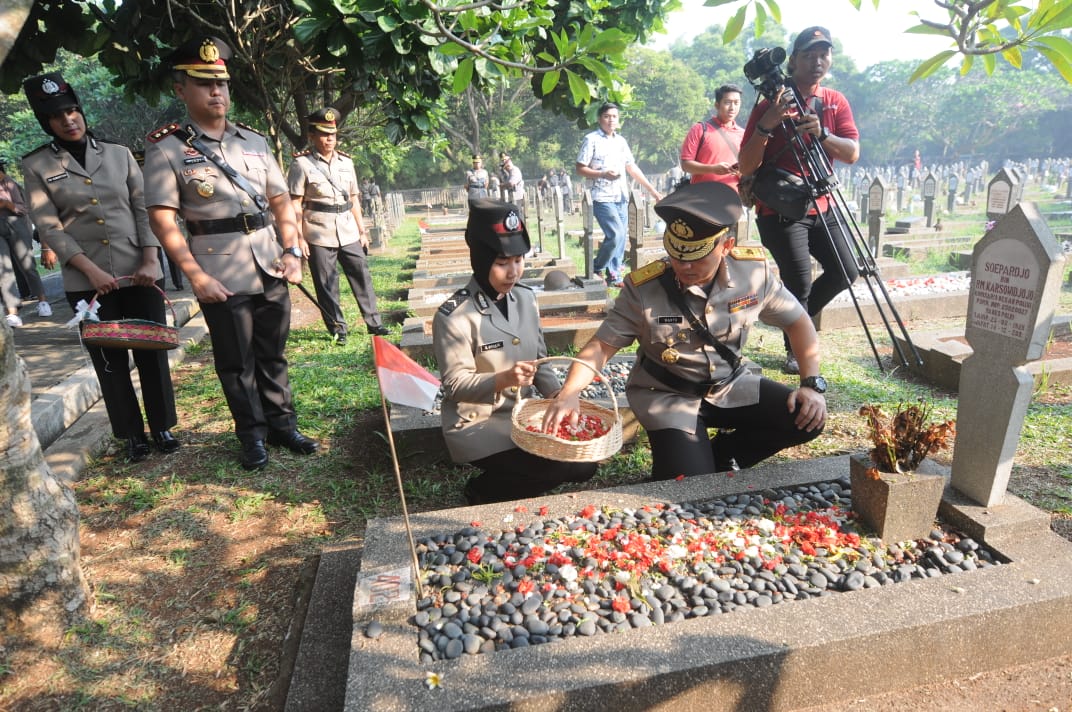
(671, 319)
(259, 154)
(492, 346)
(748, 300)
(195, 159)
(53, 179)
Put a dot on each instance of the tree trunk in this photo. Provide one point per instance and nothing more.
(12, 18)
(41, 581)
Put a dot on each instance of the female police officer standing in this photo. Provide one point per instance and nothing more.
(690, 314)
(86, 196)
(487, 337)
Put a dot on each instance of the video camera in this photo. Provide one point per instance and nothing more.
(764, 71)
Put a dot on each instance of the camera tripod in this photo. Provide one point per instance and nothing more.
(817, 173)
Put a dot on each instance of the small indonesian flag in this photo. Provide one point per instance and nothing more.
(402, 380)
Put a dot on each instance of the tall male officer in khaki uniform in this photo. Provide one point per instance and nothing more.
(323, 186)
(224, 182)
(677, 309)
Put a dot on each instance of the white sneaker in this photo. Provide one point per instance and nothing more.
(14, 321)
(44, 309)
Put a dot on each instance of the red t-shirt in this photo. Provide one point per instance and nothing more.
(714, 148)
(837, 118)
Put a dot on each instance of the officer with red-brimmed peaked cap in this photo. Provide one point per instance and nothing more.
(202, 58)
(487, 338)
(223, 180)
(689, 314)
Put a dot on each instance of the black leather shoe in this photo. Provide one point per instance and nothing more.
(380, 330)
(294, 441)
(137, 448)
(254, 455)
(339, 338)
(165, 442)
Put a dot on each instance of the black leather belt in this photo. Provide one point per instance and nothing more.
(684, 385)
(245, 222)
(330, 208)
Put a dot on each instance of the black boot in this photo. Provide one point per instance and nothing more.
(137, 448)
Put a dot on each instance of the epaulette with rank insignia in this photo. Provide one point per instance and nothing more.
(248, 128)
(160, 133)
(344, 154)
(299, 154)
(647, 273)
(456, 300)
(748, 253)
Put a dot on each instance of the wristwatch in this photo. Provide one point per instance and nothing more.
(824, 133)
(293, 250)
(816, 383)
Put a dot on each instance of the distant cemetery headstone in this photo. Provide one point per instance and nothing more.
(876, 215)
(930, 189)
(1016, 280)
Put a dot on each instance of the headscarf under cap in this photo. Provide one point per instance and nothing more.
(50, 94)
(494, 228)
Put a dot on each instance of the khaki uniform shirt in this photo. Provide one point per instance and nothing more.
(473, 341)
(306, 180)
(744, 290)
(178, 176)
(98, 210)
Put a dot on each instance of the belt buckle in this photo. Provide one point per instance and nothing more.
(244, 219)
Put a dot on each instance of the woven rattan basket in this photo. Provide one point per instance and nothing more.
(529, 411)
(132, 333)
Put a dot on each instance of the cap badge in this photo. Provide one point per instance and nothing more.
(50, 87)
(680, 229)
(208, 52)
(512, 222)
(329, 116)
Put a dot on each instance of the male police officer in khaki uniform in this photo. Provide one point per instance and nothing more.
(323, 186)
(677, 309)
(224, 182)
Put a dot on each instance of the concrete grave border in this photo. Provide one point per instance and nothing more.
(782, 657)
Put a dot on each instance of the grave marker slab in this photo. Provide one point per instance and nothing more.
(1016, 278)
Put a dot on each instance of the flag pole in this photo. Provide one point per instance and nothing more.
(401, 492)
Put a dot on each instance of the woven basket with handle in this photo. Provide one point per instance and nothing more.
(530, 411)
(131, 333)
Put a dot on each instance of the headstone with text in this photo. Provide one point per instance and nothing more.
(635, 229)
(1001, 194)
(951, 192)
(1015, 284)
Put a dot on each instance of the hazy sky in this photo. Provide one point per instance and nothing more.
(868, 36)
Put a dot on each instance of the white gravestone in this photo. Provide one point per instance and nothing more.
(1015, 283)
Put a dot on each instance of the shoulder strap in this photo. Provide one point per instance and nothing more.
(327, 174)
(722, 134)
(698, 327)
(235, 177)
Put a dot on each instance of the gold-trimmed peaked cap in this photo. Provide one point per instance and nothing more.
(203, 57)
(697, 216)
(496, 227)
(324, 120)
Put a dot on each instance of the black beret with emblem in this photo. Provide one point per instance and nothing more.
(496, 227)
(697, 216)
(323, 120)
(49, 94)
(203, 57)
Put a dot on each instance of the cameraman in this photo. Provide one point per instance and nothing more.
(827, 121)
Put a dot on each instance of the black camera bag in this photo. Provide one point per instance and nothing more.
(783, 192)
